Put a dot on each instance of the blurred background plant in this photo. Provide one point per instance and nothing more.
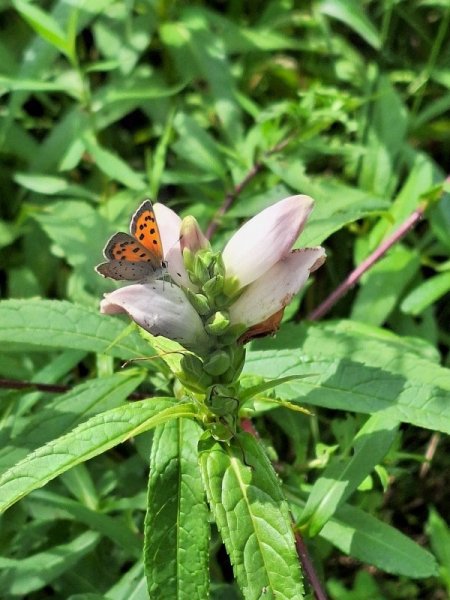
(218, 109)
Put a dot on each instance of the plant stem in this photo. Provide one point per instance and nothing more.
(429, 454)
(357, 273)
(303, 553)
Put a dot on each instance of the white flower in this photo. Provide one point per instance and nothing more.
(266, 238)
(259, 255)
(273, 290)
(169, 225)
(160, 308)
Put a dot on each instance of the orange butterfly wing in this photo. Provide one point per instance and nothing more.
(136, 256)
(144, 228)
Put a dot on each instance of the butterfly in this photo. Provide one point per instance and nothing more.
(136, 256)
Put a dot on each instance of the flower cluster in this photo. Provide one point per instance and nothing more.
(215, 301)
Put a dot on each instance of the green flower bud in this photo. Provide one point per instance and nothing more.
(199, 302)
(221, 301)
(219, 266)
(193, 376)
(200, 267)
(191, 235)
(217, 363)
(237, 364)
(188, 259)
(218, 323)
(231, 286)
(233, 333)
(213, 286)
(220, 402)
(221, 432)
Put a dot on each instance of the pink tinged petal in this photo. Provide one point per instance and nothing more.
(266, 238)
(160, 308)
(169, 224)
(192, 236)
(275, 289)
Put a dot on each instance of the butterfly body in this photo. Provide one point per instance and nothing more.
(136, 255)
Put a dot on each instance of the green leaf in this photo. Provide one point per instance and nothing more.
(259, 36)
(159, 158)
(385, 129)
(66, 411)
(440, 221)
(336, 204)
(426, 294)
(78, 233)
(95, 436)
(132, 585)
(51, 186)
(55, 324)
(38, 59)
(346, 385)
(44, 25)
(249, 392)
(176, 551)
(196, 146)
(411, 357)
(361, 535)
(439, 534)
(414, 389)
(116, 530)
(112, 165)
(421, 177)
(381, 288)
(22, 576)
(198, 51)
(81, 485)
(352, 14)
(10, 84)
(136, 91)
(253, 518)
(341, 479)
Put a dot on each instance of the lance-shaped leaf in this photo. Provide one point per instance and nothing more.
(366, 538)
(253, 517)
(349, 385)
(53, 324)
(370, 540)
(66, 411)
(21, 576)
(176, 551)
(340, 479)
(98, 434)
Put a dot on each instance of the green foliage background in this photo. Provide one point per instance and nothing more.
(104, 103)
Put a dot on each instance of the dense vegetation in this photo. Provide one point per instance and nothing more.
(219, 109)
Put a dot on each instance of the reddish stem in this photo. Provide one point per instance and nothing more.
(356, 275)
(308, 567)
(302, 549)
